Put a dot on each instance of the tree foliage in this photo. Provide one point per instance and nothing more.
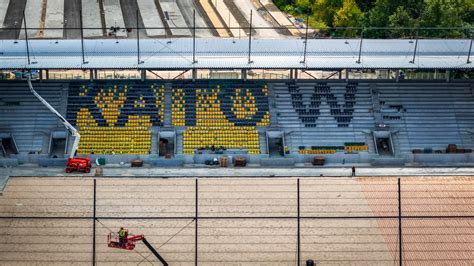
(349, 15)
(387, 18)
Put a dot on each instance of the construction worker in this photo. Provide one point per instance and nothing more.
(122, 236)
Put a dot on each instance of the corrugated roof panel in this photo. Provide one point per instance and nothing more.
(233, 54)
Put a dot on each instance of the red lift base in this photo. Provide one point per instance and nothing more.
(128, 243)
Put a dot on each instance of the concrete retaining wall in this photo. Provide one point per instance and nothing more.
(457, 158)
(277, 162)
(45, 162)
(166, 162)
(8, 163)
(388, 161)
(261, 159)
(341, 158)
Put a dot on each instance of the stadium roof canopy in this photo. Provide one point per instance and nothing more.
(175, 54)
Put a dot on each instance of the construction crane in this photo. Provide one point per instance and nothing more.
(73, 164)
(128, 243)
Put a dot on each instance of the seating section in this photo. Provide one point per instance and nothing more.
(220, 115)
(309, 113)
(317, 117)
(26, 118)
(428, 115)
(420, 115)
(348, 148)
(320, 116)
(116, 118)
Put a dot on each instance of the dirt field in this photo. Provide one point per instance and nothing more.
(245, 221)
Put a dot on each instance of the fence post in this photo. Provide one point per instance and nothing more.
(26, 38)
(414, 51)
(360, 45)
(138, 38)
(194, 36)
(305, 41)
(399, 224)
(250, 38)
(196, 227)
(298, 222)
(82, 35)
(93, 224)
(469, 53)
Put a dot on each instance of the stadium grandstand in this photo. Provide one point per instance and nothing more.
(348, 150)
(390, 120)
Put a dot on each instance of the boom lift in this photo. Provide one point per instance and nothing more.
(73, 164)
(129, 244)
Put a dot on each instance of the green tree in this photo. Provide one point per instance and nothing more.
(383, 9)
(349, 15)
(401, 18)
(447, 14)
(325, 10)
(365, 5)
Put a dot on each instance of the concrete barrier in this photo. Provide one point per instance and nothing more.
(46, 162)
(8, 162)
(452, 158)
(336, 158)
(175, 162)
(252, 159)
(277, 162)
(387, 161)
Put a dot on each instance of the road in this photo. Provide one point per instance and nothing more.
(257, 20)
(72, 21)
(129, 13)
(13, 20)
(187, 7)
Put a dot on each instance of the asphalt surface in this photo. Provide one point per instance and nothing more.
(129, 11)
(13, 20)
(243, 23)
(187, 7)
(72, 20)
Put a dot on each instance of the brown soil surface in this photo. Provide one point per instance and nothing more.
(347, 225)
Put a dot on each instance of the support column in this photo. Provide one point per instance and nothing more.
(397, 78)
(47, 74)
(194, 72)
(340, 74)
(347, 75)
(143, 74)
(41, 74)
(448, 75)
(296, 74)
(91, 74)
(291, 74)
(95, 74)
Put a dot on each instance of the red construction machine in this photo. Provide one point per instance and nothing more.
(78, 164)
(73, 164)
(128, 243)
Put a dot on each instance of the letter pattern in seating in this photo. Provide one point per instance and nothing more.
(309, 113)
(220, 115)
(115, 118)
